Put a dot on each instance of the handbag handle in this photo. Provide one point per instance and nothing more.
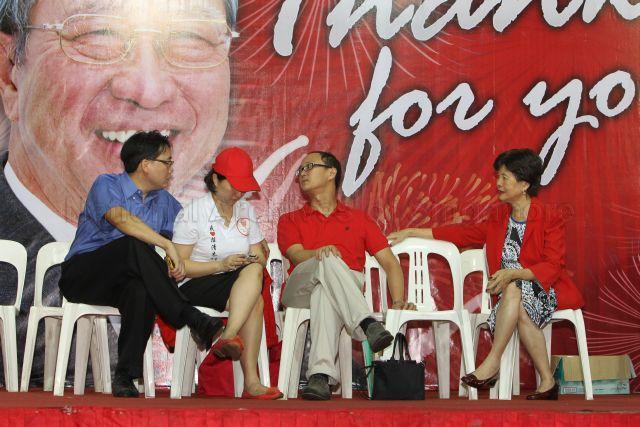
(403, 349)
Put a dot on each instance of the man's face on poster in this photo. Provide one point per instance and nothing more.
(69, 119)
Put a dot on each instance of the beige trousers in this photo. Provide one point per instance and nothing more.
(333, 293)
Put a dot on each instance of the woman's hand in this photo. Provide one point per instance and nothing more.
(398, 236)
(500, 279)
(235, 261)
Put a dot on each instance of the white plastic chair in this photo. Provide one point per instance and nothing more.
(15, 254)
(294, 337)
(471, 261)
(72, 313)
(474, 260)
(48, 256)
(186, 359)
(576, 318)
(419, 293)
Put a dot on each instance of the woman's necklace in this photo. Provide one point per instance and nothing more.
(224, 212)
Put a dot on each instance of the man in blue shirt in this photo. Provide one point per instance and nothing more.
(112, 260)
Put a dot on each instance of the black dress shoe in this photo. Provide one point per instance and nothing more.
(551, 394)
(205, 330)
(378, 337)
(122, 386)
(317, 388)
(472, 381)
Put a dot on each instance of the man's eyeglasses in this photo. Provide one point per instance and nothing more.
(107, 39)
(308, 166)
(169, 163)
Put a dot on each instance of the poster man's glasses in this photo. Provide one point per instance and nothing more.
(107, 39)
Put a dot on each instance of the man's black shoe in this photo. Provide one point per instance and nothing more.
(122, 386)
(205, 330)
(378, 337)
(317, 388)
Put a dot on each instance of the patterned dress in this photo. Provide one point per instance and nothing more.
(537, 303)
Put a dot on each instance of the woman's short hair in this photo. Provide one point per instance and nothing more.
(141, 146)
(525, 164)
(208, 180)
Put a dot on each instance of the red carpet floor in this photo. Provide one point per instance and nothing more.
(38, 408)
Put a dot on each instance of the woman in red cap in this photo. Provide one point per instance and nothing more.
(219, 239)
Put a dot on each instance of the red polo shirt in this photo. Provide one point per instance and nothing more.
(350, 230)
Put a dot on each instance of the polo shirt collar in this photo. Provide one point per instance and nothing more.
(215, 215)
(130, 189)
(341, 210)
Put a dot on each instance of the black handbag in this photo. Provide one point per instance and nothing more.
(398, 379)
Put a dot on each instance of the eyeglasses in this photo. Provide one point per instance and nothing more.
(107, 39)
(308, 166)
(169, 163)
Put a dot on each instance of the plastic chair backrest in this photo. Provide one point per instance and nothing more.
(15, 254)
(371, 264)
(275, 255)
(471, 261)
(49, 255)
(419, 288)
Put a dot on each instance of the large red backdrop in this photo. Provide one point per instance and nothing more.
(416, 98)
(442, 174)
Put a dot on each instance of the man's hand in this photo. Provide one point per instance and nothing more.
(235, 261)
(178, 271)
(325, 251)
(500, 279)
(403, 305)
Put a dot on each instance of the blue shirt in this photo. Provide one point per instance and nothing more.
(158, 210)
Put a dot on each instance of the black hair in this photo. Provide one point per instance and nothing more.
(330, 160)
(525, 164)
(208, 180)
(141, 146)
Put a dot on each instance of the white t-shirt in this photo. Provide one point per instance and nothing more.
(200, 224)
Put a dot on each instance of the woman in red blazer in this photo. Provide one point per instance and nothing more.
(525, 251)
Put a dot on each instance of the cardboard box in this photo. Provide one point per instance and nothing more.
(609, 374)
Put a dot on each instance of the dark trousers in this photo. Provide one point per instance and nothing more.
(127, 274)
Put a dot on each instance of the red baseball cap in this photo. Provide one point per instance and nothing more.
(235, 164)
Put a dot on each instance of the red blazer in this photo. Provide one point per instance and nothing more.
(543, 247)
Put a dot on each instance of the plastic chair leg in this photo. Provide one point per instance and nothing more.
(84, 327)
(583, 350)
(178, 365)
(96, 363)
(263, 360)
(291, 332)
(515, 383)
(104, 359)
(345, 351)
(468, 353)
(506, 368)
(238, 379)
(52, 328)
(29, 348)
(442, 344)
(147, 369)
(189, 374)
(66, 333)
(10, 349)
(392, 324)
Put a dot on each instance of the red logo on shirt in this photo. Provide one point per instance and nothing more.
(243, 226)
(213, 233)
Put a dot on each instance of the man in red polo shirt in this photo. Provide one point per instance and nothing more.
(326, 241)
